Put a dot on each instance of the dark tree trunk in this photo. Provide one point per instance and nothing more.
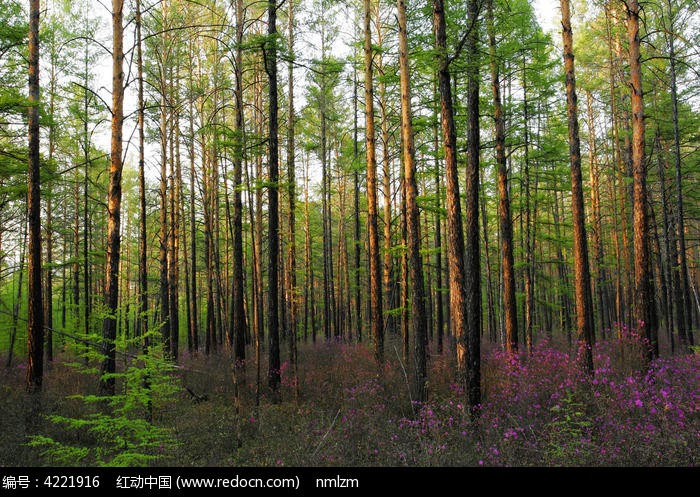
(375, 268)
(356, 212)
(291, 179)
(582, 283)
(680, 274)
(472, 261)
(238, 311)
(35, 311)
(274, 373)
(114, 198)
(142, 321)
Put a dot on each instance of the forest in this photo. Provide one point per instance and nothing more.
(349, 233)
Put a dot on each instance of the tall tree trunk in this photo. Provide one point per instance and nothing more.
(356, 210)
(582, 283)
(504, 214)
(174, 248)
(439, 270)
(644, 298)
(142, 321)
(164, 316)
(562, 273)
(48, 292)
(35, 315)
(418, 314)
(456, 249)
(193, 325)
(663, 256)
(35, 311)
(326, 218)
(597, 231)
(404, 279)
(291, 179)
(114, 198)
(274, 373)
(309, 303)
(529, 273)
(375, 269)
(390, 300)
(680, 274)
(238, 289)
(472, 269)
(256, 223)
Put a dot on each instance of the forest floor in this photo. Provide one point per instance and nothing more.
(537, 410)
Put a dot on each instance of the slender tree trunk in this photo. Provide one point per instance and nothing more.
(563, 274)
(439, 270)
(193, 334)
(356, 210)
(597, 231)
(48, 292)
(210, 333)
(35, 311)
(390, 300)
(418, 314)
(114, 198)
(504, 214)
(256, 222)
(472, 270)
(404, 280)
(463, 310)
(164, 316)
(326, 219)
(582, 284)
(529, 273)
(291, 178)
(663, 258)
(680, 280)
(142, 321)
(274, 373)
(238, 289)
(644, 297)
(174, 249)
(375, 270)
(309, 303)
(18, 301)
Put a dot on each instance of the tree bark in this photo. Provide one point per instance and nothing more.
(461, 303)
(375, 269)
(680, 273)
(504, 213)
(418, 314)
(114, 198)
(644, 298)
(601, 277)
(274, 373)
(582, 279)
(238, 289)
(291, 179)
(142, 321)
(35, 311)
(473, 258)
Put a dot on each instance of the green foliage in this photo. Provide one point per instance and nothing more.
(117, 430)
(569, 424)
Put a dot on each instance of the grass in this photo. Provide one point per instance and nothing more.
(537, 410)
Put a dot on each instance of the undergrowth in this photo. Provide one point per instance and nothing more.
(537, 410)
